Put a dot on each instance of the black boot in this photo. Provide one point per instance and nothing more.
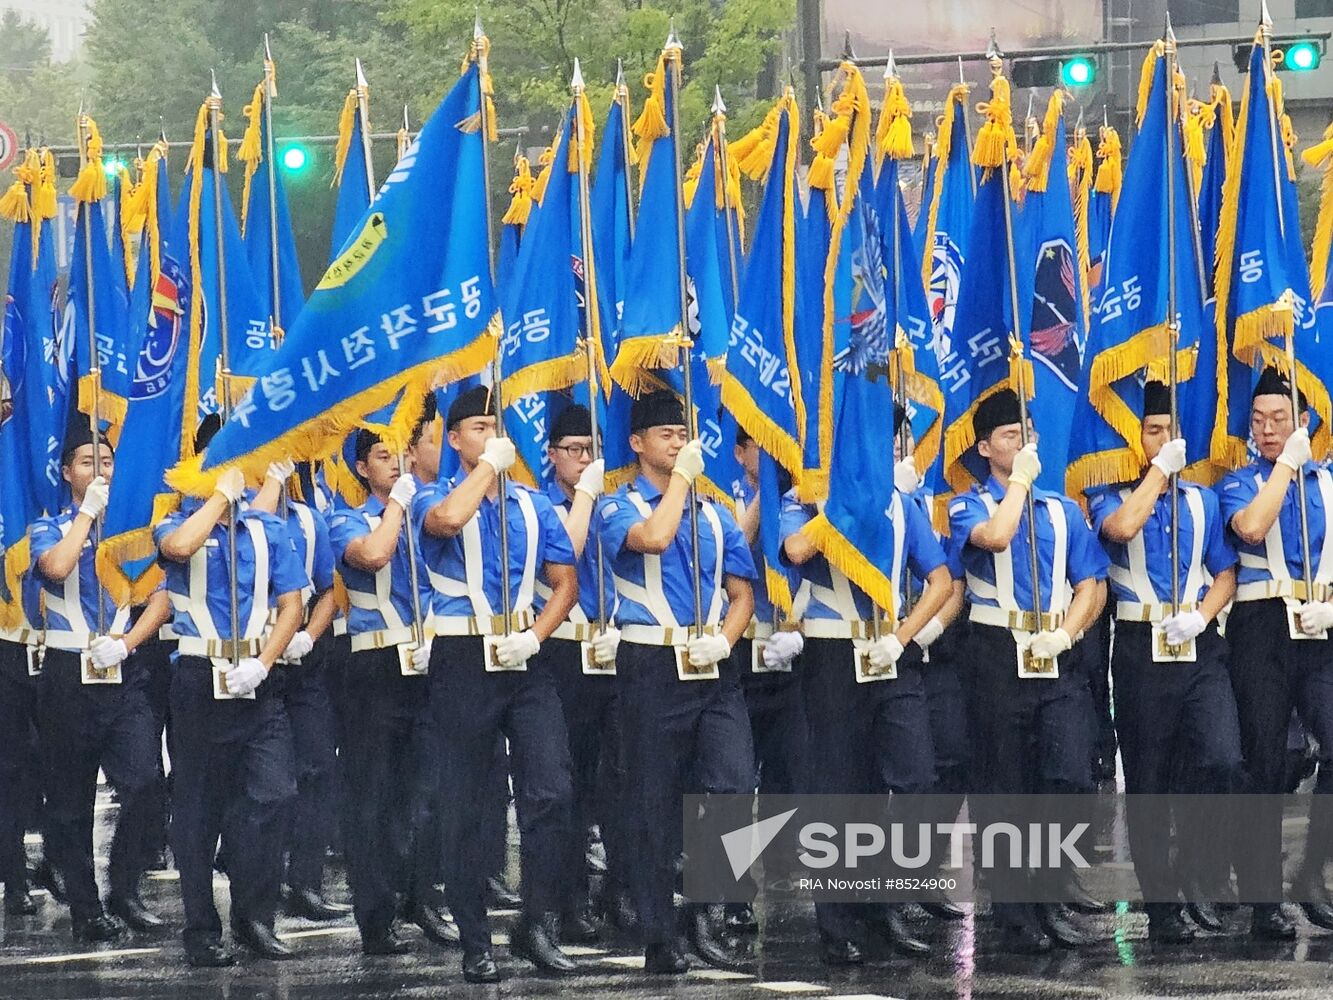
(1309, 888)
(1057, 921)
(664, 960)
(1024, 939)
(313, 906)
(740, 918)
(1078, 899)
(433, 925)
(577, 925)
(19, 903)
(940, 906)
(479, 967)
(888, 924)
(499, 896)
(95, 929)
(618, 910)
(1169, 926)
(840, 951)
(535, 939)
(384, 942)
(48, 877)
(1205, 914)
(209, 956)
(259, 938)
(1269, 923)
(703, 928)
(137, 917)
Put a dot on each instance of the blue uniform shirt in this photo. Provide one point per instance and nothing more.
(465, 569)
(587, 564)
(763, 607)
(71, 604)
(1084, 558)
(829, 589)
(1239, 489)
(380, 600)
(659, 590)
(1141, 568)
(285, 575)
(309, 532)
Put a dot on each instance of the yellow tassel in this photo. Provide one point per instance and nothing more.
(1320, 157)
(651, 124)
(127, 229)
(1110, 172)
(690, 182)
(346, 122)
(1220, 102)
(1037, 167)
(544, 162)
(520, 205)
(1145, 80)
(14, 204)
(251, 152)
(586, 127)
(90, 186)
(44, 195)
(893, 136)
(996, 141)
(1195, 150)
(821, 173)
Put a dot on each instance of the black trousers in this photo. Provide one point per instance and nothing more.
(470, 708)
(308, 699)
(85, 727)
(235, 776)
(678, 735)
(1166, 713)
(1271, 674)
(380, 759)
(942, 673)
(154, 658)
(593, 724)
(1028, 736)
(865, 739)
(19, 761)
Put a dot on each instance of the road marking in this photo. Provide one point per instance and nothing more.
(791, 987)
(318, 932)
(625, 961)
(86, 956)
(717, 975)
(581, 950)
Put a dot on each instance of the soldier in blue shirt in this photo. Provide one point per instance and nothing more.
(92, 711)
(864, 692)
(1280, 653)
(583, 662)
(1169, 711)
(482, 684)
(308, 698)
(1023, 715)
(233, 769)
(386, 682)
(680, 715)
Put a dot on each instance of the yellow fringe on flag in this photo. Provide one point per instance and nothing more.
(544, 162)
(520, 205)
(1149, 67)
(961, 434)
(848, 559)
(636, 354)
(251, 152)
(586, 127)
(651, 124)
(893, 135)
(18, 558)
(479, 52)
(957, 98)
(851, 123)
(110, 406)
(1037, 168)
(996, 142)
(1110, 172)
(127, 230)
(1080, 186)
(1320, 157)
(346, 122)
(1220, 102)
(91, 183)
(690, 182)
(555, 374)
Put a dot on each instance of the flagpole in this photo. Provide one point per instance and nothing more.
(967, 133)
(1266, 38)
(622, 98)
(673, 51)
(483, 71)
(589, 304)
(723, 157)
(224, 350)
(1172, 321)
(94, 358)
(275, 273)
(1017, 346)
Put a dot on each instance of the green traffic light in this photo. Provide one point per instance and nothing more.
(1078, 72)
(294, 158)
(1302, 57)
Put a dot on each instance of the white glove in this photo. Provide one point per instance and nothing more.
(592, 480)
(1046, 645)
(605, 644)
(1171, 459)
(905, 479)
(498, 454)
(930, 631)
(782, 648)
(1183, 627)
(1316, 617)
(281, 471)
(106, 652)
(1296, 452)
(300, 645)
(231, 484)
(95, 498)
(421, 655)
(246, 676)
(885, 652)
(1027, 466)
(689, 461)
(517, 647)
(706, 649)
(404, 490)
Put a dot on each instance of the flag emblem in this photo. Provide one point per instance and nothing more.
(162, 336)
(946, 268)
(1055, 311)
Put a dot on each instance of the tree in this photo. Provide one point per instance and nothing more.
(24, 45)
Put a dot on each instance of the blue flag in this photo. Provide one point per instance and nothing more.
(266, 222)
(1214, 174)
(1103, 202)
(812, 254)
(350, 177)
(410, 302)
(1058, 331)
(1263, 285)
(929, 172)
(98, 307)
(1129, 337)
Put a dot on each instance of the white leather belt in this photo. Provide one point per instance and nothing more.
(382, 638)
(660, 635)
(167, 634)
(1015, 621)
(1294, 590)
(73, 642)
(758, 630)
(340, 626)
(575, 631)
(837, 628)
(494, 625)
(23, 636)
(221, 649)
(1133, 611)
